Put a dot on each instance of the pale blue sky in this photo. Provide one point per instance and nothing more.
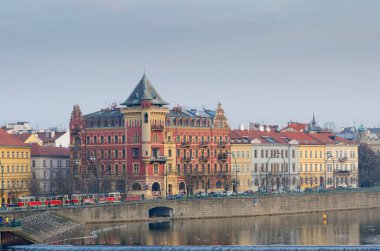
(265, 61)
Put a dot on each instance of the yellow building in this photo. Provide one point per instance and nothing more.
(311, 160)
(341, 160)
(15, 167)
(241, 161)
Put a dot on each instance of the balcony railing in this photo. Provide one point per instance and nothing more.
(203, 144)
(157, 127)
(158, 159)
(185, 144)
(186, 159)
(342, 159)
(222, 157)
(203, 159)
(222, 144)
(342, 172)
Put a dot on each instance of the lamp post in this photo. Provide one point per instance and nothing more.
(236, 171)
(328, 156)
(2, 185)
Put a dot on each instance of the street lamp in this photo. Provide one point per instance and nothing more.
(328, 156)
(2, 185)
(236, 171)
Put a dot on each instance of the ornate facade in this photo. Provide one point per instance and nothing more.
(143, 148)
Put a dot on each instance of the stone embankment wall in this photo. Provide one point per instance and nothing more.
(225, 207)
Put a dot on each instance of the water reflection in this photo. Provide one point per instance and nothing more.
(341, 228)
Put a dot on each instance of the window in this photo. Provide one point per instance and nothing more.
(136, 168)
(59, 163)
(116, 139)
(116, 169)
(44, 163)
(255, 154)
(116, 153)
(179, 168)
(170, 152)
(95, 139)
(135, 153)
(67, 163)
(155, 168)
(301, 170)
(123, 138)
(293, 154)
(123, 153)
(109, 139)
(33, 163)
(101, 139)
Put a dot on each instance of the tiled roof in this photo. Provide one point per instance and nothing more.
(7, 139)
(144, 91)
(298, 127)
(190, 113)
(23, 136)
(302, 138)
(45, 138)
(328, 138)
(105, 113)
(265, 137)
(49, 151)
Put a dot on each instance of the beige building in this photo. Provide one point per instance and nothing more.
(15, 167)
(241, 161)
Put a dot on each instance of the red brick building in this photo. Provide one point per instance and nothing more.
(145, 148)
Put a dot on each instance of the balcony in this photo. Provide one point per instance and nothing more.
(222, 144)
(186, 159)
(76, 131)
(185, 144)
(342, 172)
(222, 157)
(342, 159)
(203, 144)
(157, 127)
(203, 159)
(158, 159)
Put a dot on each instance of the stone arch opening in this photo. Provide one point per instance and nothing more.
(156, 189)
(136, 187)
(161, 212)
(182, 187)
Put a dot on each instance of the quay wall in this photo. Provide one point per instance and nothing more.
(218, 207)
(226, 207)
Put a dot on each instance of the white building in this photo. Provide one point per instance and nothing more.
(50, 170)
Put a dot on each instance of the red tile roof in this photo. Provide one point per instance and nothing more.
(45, 138)
(302, 138)
(329, 138)
(298, 127)
(7, 139)
(49, 151)
(260, 135)
(23, 137)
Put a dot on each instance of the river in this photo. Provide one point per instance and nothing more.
(359, 227)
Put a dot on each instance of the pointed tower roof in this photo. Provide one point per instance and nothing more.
(144, 91)
(313, 122)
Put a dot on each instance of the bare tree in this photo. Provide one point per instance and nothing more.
(98, 174)
(369, 166)
(61, 183)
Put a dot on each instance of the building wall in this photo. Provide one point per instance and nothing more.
(49, 174)
(344, 158)
(281, 168)
(311, 165)
(242, 153)
(15, 167)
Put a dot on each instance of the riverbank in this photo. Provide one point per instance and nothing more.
(222, 207)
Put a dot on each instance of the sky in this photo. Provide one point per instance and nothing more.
(266, 61)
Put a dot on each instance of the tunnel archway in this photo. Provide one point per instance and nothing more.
(161, 212)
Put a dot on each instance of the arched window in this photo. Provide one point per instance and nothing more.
(146, 117)
(116, 139)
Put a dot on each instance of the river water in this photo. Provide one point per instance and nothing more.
(361, 227)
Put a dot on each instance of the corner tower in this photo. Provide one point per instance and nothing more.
(144, 116)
